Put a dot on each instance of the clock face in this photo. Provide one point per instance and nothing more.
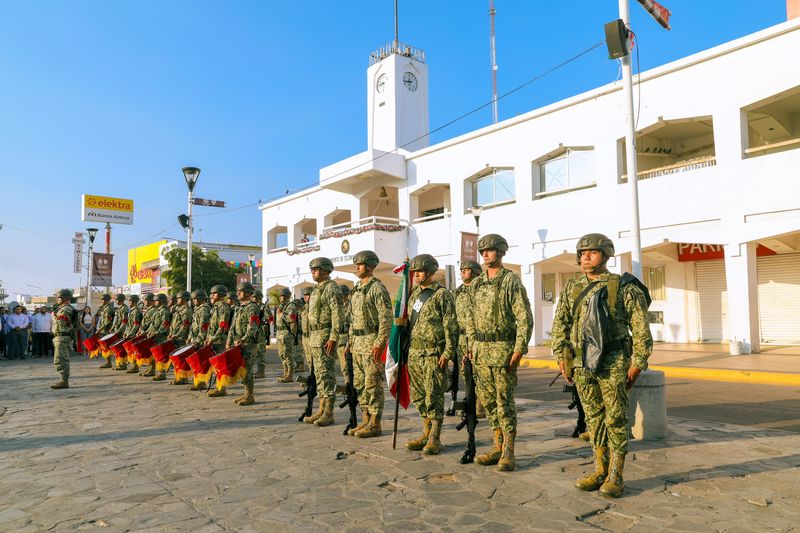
(410, 81)
(380, 86)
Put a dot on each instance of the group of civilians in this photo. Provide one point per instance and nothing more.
(22, 332)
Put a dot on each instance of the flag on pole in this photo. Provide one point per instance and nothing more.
(394, 358)
(660, 13)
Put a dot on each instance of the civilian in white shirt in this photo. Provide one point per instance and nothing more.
(41, 324)
(17, 324)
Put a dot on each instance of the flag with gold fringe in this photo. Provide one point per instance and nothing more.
(160, 353)
(178, 358)
(200, 363)
(229, 367)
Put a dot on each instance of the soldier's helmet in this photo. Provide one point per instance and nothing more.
(106, 297)
(299, 303)
(222, 290)
(184, 295)
(471, 265)
(64, 293)
(162, 298)
(307, 291)
(595, 241)
(259, 295)
(199, 294)
(149, 297)
(247, 287)
(134, 298)
(322, 263)
(493, 240)
(345, 289)
(173, 296)
(232, 297)
(424, 263)
(366, 257)
(286, 292)
(120, 297)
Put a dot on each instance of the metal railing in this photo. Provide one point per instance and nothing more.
(396, 47)
(680, 166)
(362, 225)
(437, 216)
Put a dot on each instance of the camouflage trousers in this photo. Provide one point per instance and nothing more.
(261, 351)
(495, 388)
(605, 402)
(341, 347)
(61, 353)
(428, 383)
(249, 354)
(325, 371)
(368, 381)
(304, 351)
(286, 348)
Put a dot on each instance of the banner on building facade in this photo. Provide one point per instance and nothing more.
(77, 260)
(469, 246)
(102, 265)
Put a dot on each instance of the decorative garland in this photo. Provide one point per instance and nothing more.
(361, 229)
(305, 250)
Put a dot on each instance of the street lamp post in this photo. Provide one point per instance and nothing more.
(476, 212)
(92, 234)
(190, 174)
(251, 258)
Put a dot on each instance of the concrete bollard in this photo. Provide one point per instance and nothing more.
(647, 415)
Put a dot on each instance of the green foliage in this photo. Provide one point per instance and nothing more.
(207, 269)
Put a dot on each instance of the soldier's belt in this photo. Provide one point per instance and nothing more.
(494, 336)
(425, 345)
(313, 327)
(343, 331)
(362, 332)
(616, 345)
(57, 335)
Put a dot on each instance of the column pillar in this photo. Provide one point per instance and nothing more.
(742, 281)
(532, 280)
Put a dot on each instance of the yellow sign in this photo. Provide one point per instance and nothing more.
(105, 209)
(137, 257)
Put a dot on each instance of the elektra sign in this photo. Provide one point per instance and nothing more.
(105, 209)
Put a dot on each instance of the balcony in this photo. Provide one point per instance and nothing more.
(386, 236)
(366, 170)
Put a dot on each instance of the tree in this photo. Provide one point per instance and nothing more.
(207, 270)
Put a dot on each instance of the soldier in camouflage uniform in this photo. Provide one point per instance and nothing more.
(62, 329)
(469, 271)
(233, 301)
(158, 328)
(499, 327)
(604, 393)
(201, 320)
(180, 322)
(341, 346)
(173, 302)
(132, 330)
(218, 329)
(263, 338)
(371, 322)
(323, 327)
(302, 348)
(434, 337)
(105, 322)
(287, 330)
(245, 333)
(120, 326)
(147, 318)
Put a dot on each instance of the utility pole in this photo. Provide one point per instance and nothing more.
(492, 12)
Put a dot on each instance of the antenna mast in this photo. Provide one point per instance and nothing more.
(492, 12)
(396, 37)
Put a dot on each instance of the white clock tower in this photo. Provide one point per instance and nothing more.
(397, 98)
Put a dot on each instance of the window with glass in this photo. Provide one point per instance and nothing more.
(655, 281)
(548, 288)
(566, 276)
(495, 187)
(571, 169)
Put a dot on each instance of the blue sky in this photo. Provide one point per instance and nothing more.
(114, 97)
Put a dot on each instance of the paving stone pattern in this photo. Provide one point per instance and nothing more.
(119, 453)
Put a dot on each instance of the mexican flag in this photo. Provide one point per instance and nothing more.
(394, 358)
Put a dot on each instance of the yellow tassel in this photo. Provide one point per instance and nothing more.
(163, 367)
(201, 378)
(225, 381)
(123, 360)
(94, 353)
(183, 374)
(107, 353)
(146, 361)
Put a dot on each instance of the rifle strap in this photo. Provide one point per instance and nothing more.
(581, 296)
(424, 295)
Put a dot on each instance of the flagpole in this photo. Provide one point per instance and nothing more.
(401, 362)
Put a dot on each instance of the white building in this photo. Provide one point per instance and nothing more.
(718, 150)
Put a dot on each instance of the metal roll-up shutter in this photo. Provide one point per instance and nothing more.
(779, 298)
(712, 292)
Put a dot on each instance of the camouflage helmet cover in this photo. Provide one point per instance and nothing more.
(493, 240)
(322, 263)
(64, 293)
(149, 297)
(286, 292)
(106, 297)
(595, 241)
(120, 297)
(134, 298)
(424, 263)
(307, 291)
(471, 265)
(162, 298)
(246, 286)
(184, 295)
(258, 294)
(222, 290)
(199, 294)
(366, 257)
(345, 289)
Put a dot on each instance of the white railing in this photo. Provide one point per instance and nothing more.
(275, 250)
(680, 166)
(437, 216)
(396, 47)
(303, 245)
(362, 225)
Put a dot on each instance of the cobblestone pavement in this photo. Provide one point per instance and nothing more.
(125, 454)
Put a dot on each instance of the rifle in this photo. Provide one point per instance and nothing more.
(453, 388)
(351, 396)
(310, 392)
(580, 426)
(469, 418)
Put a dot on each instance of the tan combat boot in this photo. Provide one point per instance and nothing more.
(613, 486)
(313, 418)
(584, 436)
(63, 384)
(327, 415)
(289, 376)
(285, 371)
(201, 385)
(150, 372)
(364, 423)
(217, 392)
(248, 398)
(121, 366)
(161, 376)
(134, 369)
(595, 480)
(261, 372)
(434, 445)
(492, 457)
(107, 364)
(420, 442)
(507, 462)
(373, 429)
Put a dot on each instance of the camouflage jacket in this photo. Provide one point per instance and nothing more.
(344, 331)
(134, 322)
(180, 323)
(463, 300)
(435, 330)
(120, 324)
(246, 325)
(62, 321)
(630, 321)
(219, 324)
(302, 323)
(287, 319)
(159, 324)
(370, 313)
(201, 321)
(500, 307)
(266, 320)
(324, 314)
(105, 319)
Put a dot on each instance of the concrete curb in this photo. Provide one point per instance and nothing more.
(787, 379)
